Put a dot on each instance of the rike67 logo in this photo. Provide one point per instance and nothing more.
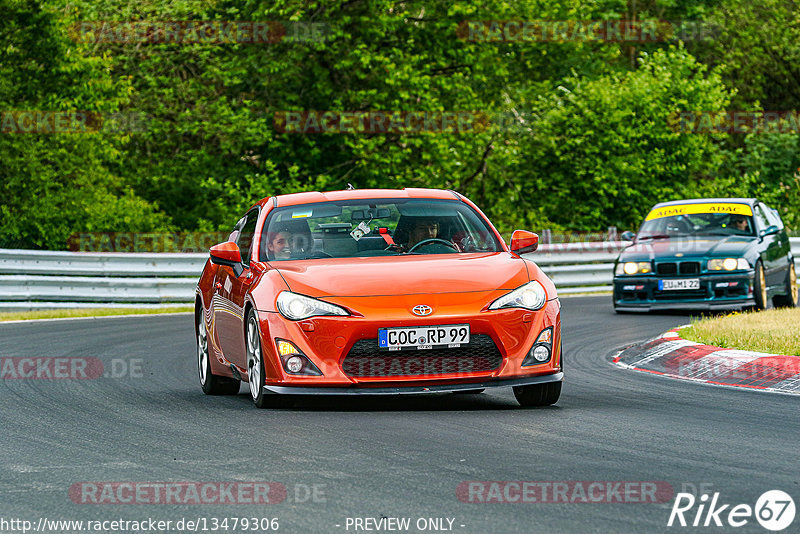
(774, 510)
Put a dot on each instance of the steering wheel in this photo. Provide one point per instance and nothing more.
(426, 242)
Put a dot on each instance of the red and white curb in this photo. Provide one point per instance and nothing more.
(675, 357)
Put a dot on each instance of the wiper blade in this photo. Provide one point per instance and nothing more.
(654, 236)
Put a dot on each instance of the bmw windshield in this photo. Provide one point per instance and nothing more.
(375, 227)
(660, 224)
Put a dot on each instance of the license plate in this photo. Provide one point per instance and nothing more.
(673, 285)
(424, 337)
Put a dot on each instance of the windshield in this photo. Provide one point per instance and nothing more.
(375, 227)
(697, 224)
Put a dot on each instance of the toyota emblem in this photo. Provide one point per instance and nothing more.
(422, 310)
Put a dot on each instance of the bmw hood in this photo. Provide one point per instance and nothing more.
(406, 275)
(697, 248)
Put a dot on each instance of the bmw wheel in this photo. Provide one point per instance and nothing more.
(789, 300)
(760, 287)
(211, 383)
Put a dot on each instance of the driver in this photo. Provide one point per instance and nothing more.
(739, 223)
(423, 228)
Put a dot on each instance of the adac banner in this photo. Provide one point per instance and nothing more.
(704, 207)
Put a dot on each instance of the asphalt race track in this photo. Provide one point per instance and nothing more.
(373, 457)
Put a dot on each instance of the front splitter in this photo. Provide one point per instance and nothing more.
(414, 390)
(699, 306)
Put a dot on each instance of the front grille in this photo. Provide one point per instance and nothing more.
(365, 359)
(667, 268)
(684, 267)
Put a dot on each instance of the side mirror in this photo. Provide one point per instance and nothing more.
(769, 230)
(523, 242)
(227, 254)
(628, 236)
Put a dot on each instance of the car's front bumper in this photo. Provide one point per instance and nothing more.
(415, 389)
(718, 291)
(346, 352)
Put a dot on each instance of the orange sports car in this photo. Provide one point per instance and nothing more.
(378, 292)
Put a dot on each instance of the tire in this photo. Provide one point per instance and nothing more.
(538, 394)
(789, 300)
(561, 355)
(760, 287)
(212, 384)
(255, 364)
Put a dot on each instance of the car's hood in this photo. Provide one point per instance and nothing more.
(393, 275)
(696, 248)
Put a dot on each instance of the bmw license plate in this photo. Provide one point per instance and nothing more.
(423, 337)
(673, 285)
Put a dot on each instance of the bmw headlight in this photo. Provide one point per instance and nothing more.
(297, 307)
(531, 296)
(728, 264)
(633, 267)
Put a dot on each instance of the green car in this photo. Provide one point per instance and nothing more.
(706, 254)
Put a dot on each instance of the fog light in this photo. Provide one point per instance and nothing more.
(294, 364)
(294, 361)
(541, 353)
(542, 348)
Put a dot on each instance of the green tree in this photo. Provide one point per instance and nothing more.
(54, 185)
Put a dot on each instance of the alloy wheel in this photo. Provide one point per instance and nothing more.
(254, 365)
(202, 351)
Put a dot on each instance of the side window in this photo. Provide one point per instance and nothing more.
(234, 235)
(772, 216)
(760, 217)
(245, 239)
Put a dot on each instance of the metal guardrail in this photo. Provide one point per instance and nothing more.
(588, 267)
(31, 279)
(34, 279)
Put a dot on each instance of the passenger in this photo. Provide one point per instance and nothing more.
(279, 245)
(286, 242)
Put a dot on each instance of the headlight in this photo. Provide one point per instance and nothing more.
(296, 307)
(728, 264)
(633, 267)
(531, 296)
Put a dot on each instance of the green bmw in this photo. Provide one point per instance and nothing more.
(706, 254)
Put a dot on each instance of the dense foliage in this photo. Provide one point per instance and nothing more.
(581, 136)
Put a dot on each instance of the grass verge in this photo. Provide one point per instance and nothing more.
(88, 312)
(774, 331)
